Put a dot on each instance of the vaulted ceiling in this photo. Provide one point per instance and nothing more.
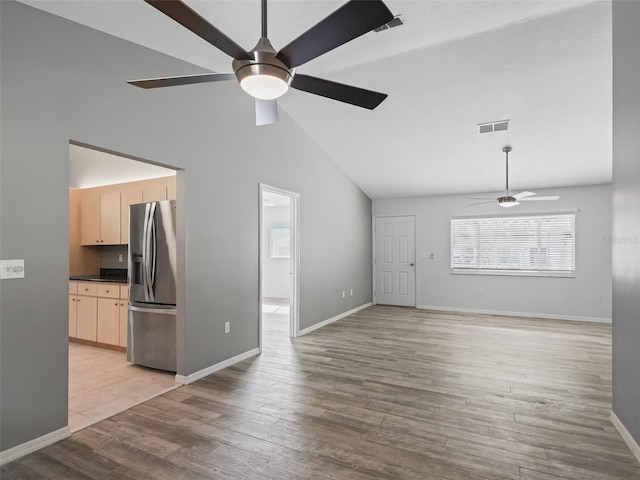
(545, 65)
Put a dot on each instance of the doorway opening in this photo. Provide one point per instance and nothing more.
(102, 186)
(279, 265)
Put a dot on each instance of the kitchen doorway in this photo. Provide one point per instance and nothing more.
(279, 264)
(102, 186)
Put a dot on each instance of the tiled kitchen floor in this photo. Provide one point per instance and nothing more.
(102, 383)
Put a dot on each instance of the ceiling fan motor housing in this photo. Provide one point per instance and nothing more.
(264, 62)
(507, 201)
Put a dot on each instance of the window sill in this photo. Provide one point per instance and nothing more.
(513, 273)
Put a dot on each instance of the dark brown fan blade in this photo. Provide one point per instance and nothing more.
(338, 91)
(188, 18)
(183, 80)
(353, 19)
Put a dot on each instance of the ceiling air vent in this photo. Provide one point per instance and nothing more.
(499, 126)
(396, 22)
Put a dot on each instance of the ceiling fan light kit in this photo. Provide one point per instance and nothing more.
(264, 77)
(266, 74)
(507, 200)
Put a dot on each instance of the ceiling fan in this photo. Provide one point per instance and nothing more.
(508, 200)
(266, 74)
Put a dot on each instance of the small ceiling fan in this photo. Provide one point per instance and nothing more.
(266, 74)
(507, 199)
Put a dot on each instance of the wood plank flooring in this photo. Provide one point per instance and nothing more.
(387, 393)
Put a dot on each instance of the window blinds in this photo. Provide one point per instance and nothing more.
(536, 244)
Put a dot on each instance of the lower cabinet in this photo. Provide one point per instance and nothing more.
(98, 314)
(124, 300)
(86, 317)
(109, 321)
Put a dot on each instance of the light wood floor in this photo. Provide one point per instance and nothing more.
(387, 393)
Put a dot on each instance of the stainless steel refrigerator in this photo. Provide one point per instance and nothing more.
(151, 319)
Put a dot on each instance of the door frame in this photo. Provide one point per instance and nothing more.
(294, 306)
(373, 251)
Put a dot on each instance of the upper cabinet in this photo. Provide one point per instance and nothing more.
(154, 193)
(129, 196)
(104, 211)
(110, 218)
(100, 218)
(90, 217)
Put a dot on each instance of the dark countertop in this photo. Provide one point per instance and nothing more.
(111, 275)
(96, 278)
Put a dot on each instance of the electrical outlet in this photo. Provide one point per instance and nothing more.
(480, 292)
(227, 328)
(352, 292)
(600, 298)
(343, 294)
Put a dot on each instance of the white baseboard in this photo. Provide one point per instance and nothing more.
(324, 323)
(626, 436)
(186, 380)
(574, 318)
(23, 449)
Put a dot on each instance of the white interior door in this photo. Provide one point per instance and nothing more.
(395, 261)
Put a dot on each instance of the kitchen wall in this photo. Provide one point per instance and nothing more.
(626, 216)
(573, 298)
(61, 82)
(111, 255)
(276, 278)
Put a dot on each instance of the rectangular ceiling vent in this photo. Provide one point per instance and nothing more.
(396, 22)
(499, 126)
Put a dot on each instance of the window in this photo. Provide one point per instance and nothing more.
(514, 245)
(280, 241)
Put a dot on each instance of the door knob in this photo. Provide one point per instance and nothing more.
(411, 264)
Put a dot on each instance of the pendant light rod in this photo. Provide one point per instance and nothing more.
(264, 18)
(506, 149)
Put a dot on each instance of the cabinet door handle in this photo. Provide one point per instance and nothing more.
(73, 299)
(116, 304)
(107, 291)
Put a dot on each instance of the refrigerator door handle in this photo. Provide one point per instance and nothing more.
(162, 311)
(144, 252)
(153, 247)
(149, 259)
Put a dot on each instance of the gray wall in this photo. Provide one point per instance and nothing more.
(626, 215)
(62, 81)
(436, 287)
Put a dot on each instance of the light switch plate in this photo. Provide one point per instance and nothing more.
(11, 269)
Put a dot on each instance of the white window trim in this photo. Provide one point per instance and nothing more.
(512, 272)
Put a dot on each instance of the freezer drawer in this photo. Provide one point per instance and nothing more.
(151, 337)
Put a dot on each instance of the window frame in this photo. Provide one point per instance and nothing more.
(505, 271)
(278, 233)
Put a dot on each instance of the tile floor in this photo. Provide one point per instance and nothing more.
(102, 383)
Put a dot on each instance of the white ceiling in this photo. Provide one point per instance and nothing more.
(93, 168)
(546, 65)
